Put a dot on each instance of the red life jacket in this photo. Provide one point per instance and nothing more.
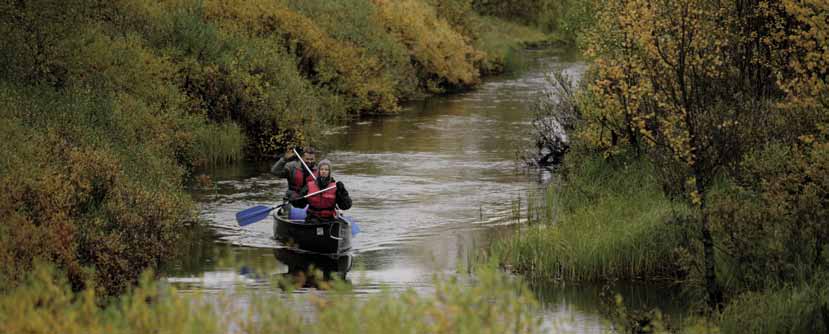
(322, 204)
(298, 179)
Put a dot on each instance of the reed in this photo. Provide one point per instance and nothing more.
(218, 144)
(612, 224)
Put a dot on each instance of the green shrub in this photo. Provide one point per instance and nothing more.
(794, 309)
(770, 220)
(567, 18)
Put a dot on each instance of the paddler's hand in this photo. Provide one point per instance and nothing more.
(289, 155)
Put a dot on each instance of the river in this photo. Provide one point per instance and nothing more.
(431, 187)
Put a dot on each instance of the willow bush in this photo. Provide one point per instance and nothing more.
(442, 57)
(339, 66)
(68, 197)
(357, 22)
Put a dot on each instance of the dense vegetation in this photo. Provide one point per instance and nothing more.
(108, 106)
(728, 103)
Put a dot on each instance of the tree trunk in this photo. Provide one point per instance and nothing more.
(715, 298)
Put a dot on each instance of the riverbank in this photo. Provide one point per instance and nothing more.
(109, 109)
(740, 148)
(605, 220)
(609, 222)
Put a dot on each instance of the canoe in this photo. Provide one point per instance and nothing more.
(324, 238)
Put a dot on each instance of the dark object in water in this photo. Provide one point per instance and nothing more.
(301, 263)
(331, 238)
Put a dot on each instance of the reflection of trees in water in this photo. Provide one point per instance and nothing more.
(590, 298)
(195, 251)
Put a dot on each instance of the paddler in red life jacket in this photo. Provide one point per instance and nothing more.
(322, 207)
(292, 169)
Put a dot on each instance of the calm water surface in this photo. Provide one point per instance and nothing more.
(431, 187)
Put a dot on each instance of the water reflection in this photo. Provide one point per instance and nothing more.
(304, 264)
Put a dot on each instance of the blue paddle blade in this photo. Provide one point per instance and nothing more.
(354, 227)
(252, 215)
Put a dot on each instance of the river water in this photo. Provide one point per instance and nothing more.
(431, 187)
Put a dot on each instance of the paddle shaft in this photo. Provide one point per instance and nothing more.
(306, 166)
(317, 192)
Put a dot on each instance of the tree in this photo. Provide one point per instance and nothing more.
(692, 79)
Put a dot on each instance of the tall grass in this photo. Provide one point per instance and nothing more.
(613, 223)
(796, 309)
(218, 144)
(492, 303)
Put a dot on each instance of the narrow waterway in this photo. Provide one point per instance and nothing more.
(431, 187)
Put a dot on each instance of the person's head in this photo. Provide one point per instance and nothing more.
(309, 155)
(324, 168)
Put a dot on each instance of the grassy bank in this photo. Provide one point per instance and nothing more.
(612, 222)
(795, 309)
(493, 303)
(108, 108)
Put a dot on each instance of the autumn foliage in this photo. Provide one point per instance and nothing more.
(729, 99)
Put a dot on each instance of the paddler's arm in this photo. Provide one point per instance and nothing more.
(278, 168)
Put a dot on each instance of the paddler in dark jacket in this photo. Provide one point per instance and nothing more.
(323, 207)
(292, 169)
